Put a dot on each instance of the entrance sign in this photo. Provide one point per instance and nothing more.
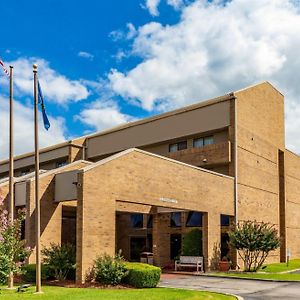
(169, 200)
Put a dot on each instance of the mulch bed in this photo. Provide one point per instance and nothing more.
(96, 285)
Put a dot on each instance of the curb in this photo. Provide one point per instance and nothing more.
(190, 289)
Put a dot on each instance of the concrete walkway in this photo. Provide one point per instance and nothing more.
(248, 289)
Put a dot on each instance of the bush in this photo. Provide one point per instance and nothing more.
(109, 270)
(29, 273)
(60, 260)
(254, 241)
(142, 275)
(192, 243)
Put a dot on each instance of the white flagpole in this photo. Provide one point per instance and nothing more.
(11, 160)
(37, 198)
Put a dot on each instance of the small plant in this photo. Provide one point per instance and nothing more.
(109, 269)
(13, 252)
(254, 241)
(192, 243)
(60, 260)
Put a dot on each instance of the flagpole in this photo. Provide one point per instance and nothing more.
(37, 199)
(11, 160)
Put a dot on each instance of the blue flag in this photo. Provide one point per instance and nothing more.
(41, 102)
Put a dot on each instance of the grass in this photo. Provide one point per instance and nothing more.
(60, 293)
(282, 267)
(272, 272)
(267, 276)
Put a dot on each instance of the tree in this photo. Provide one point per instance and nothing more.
(254, 241)
(13, 252)
(192, 243)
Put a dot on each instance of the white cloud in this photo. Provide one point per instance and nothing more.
(23, 128)
(152, 6)
(103, 114)
(214, 49)
(87, 55)
(56, 87)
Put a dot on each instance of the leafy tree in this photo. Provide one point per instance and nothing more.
(192, 243)
(13, 252)
(60, 260)
(254, 241)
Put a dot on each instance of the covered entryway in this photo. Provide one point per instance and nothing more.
(138, 182)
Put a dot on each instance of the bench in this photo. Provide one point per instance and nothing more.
(190, 261)
(23, 287)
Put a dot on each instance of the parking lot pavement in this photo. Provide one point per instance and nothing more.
(248, 289)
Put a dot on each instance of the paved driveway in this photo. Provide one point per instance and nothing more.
(248, 289)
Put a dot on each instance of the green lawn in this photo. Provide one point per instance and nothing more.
(272, 271)
(59, 293)
(282, 267)
(279, 277)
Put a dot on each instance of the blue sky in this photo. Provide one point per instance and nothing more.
(103, 63)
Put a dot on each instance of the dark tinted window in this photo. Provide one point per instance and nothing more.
(175, 219)
(137, 220)
(225, 220)
(194, 219)
(150, 221)
(182, 145)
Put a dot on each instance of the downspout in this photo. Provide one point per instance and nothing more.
(235, 161)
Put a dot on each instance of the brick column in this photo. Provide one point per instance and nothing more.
(156, 240)
(96, 226)
(211, 240)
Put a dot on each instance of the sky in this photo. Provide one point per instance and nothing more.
(103, 63)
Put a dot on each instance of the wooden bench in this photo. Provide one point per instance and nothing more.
(190, 261)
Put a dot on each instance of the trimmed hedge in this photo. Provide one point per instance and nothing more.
(142, 275)
(29, 273)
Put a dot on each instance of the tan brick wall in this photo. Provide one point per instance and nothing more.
(260, 112)
(51, 212)
(143, 178)
(292, 184)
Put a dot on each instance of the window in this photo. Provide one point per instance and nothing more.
(176, 219)
(61, 163)
(194, 219)
(208, 140)
(178, 146)
(225, 220)
(137, 220)
(204, 141)
(150, 221)
(25, 172)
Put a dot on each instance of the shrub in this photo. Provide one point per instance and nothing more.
(13, 252)
(60, 260)
(109, 270)
(29, 274)
(254, 241)
(142, 275)
(192, 243)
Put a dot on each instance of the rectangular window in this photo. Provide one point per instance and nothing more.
(204, 141)
(150, 221)
(194, 219)
(197, 143)
(178, 146)
(225, 220)
(25, 172)
(136, 220)
(208, 140)
(61, 164)
(175, 219)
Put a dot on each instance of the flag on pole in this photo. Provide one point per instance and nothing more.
(4, 68)
(41, 102)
